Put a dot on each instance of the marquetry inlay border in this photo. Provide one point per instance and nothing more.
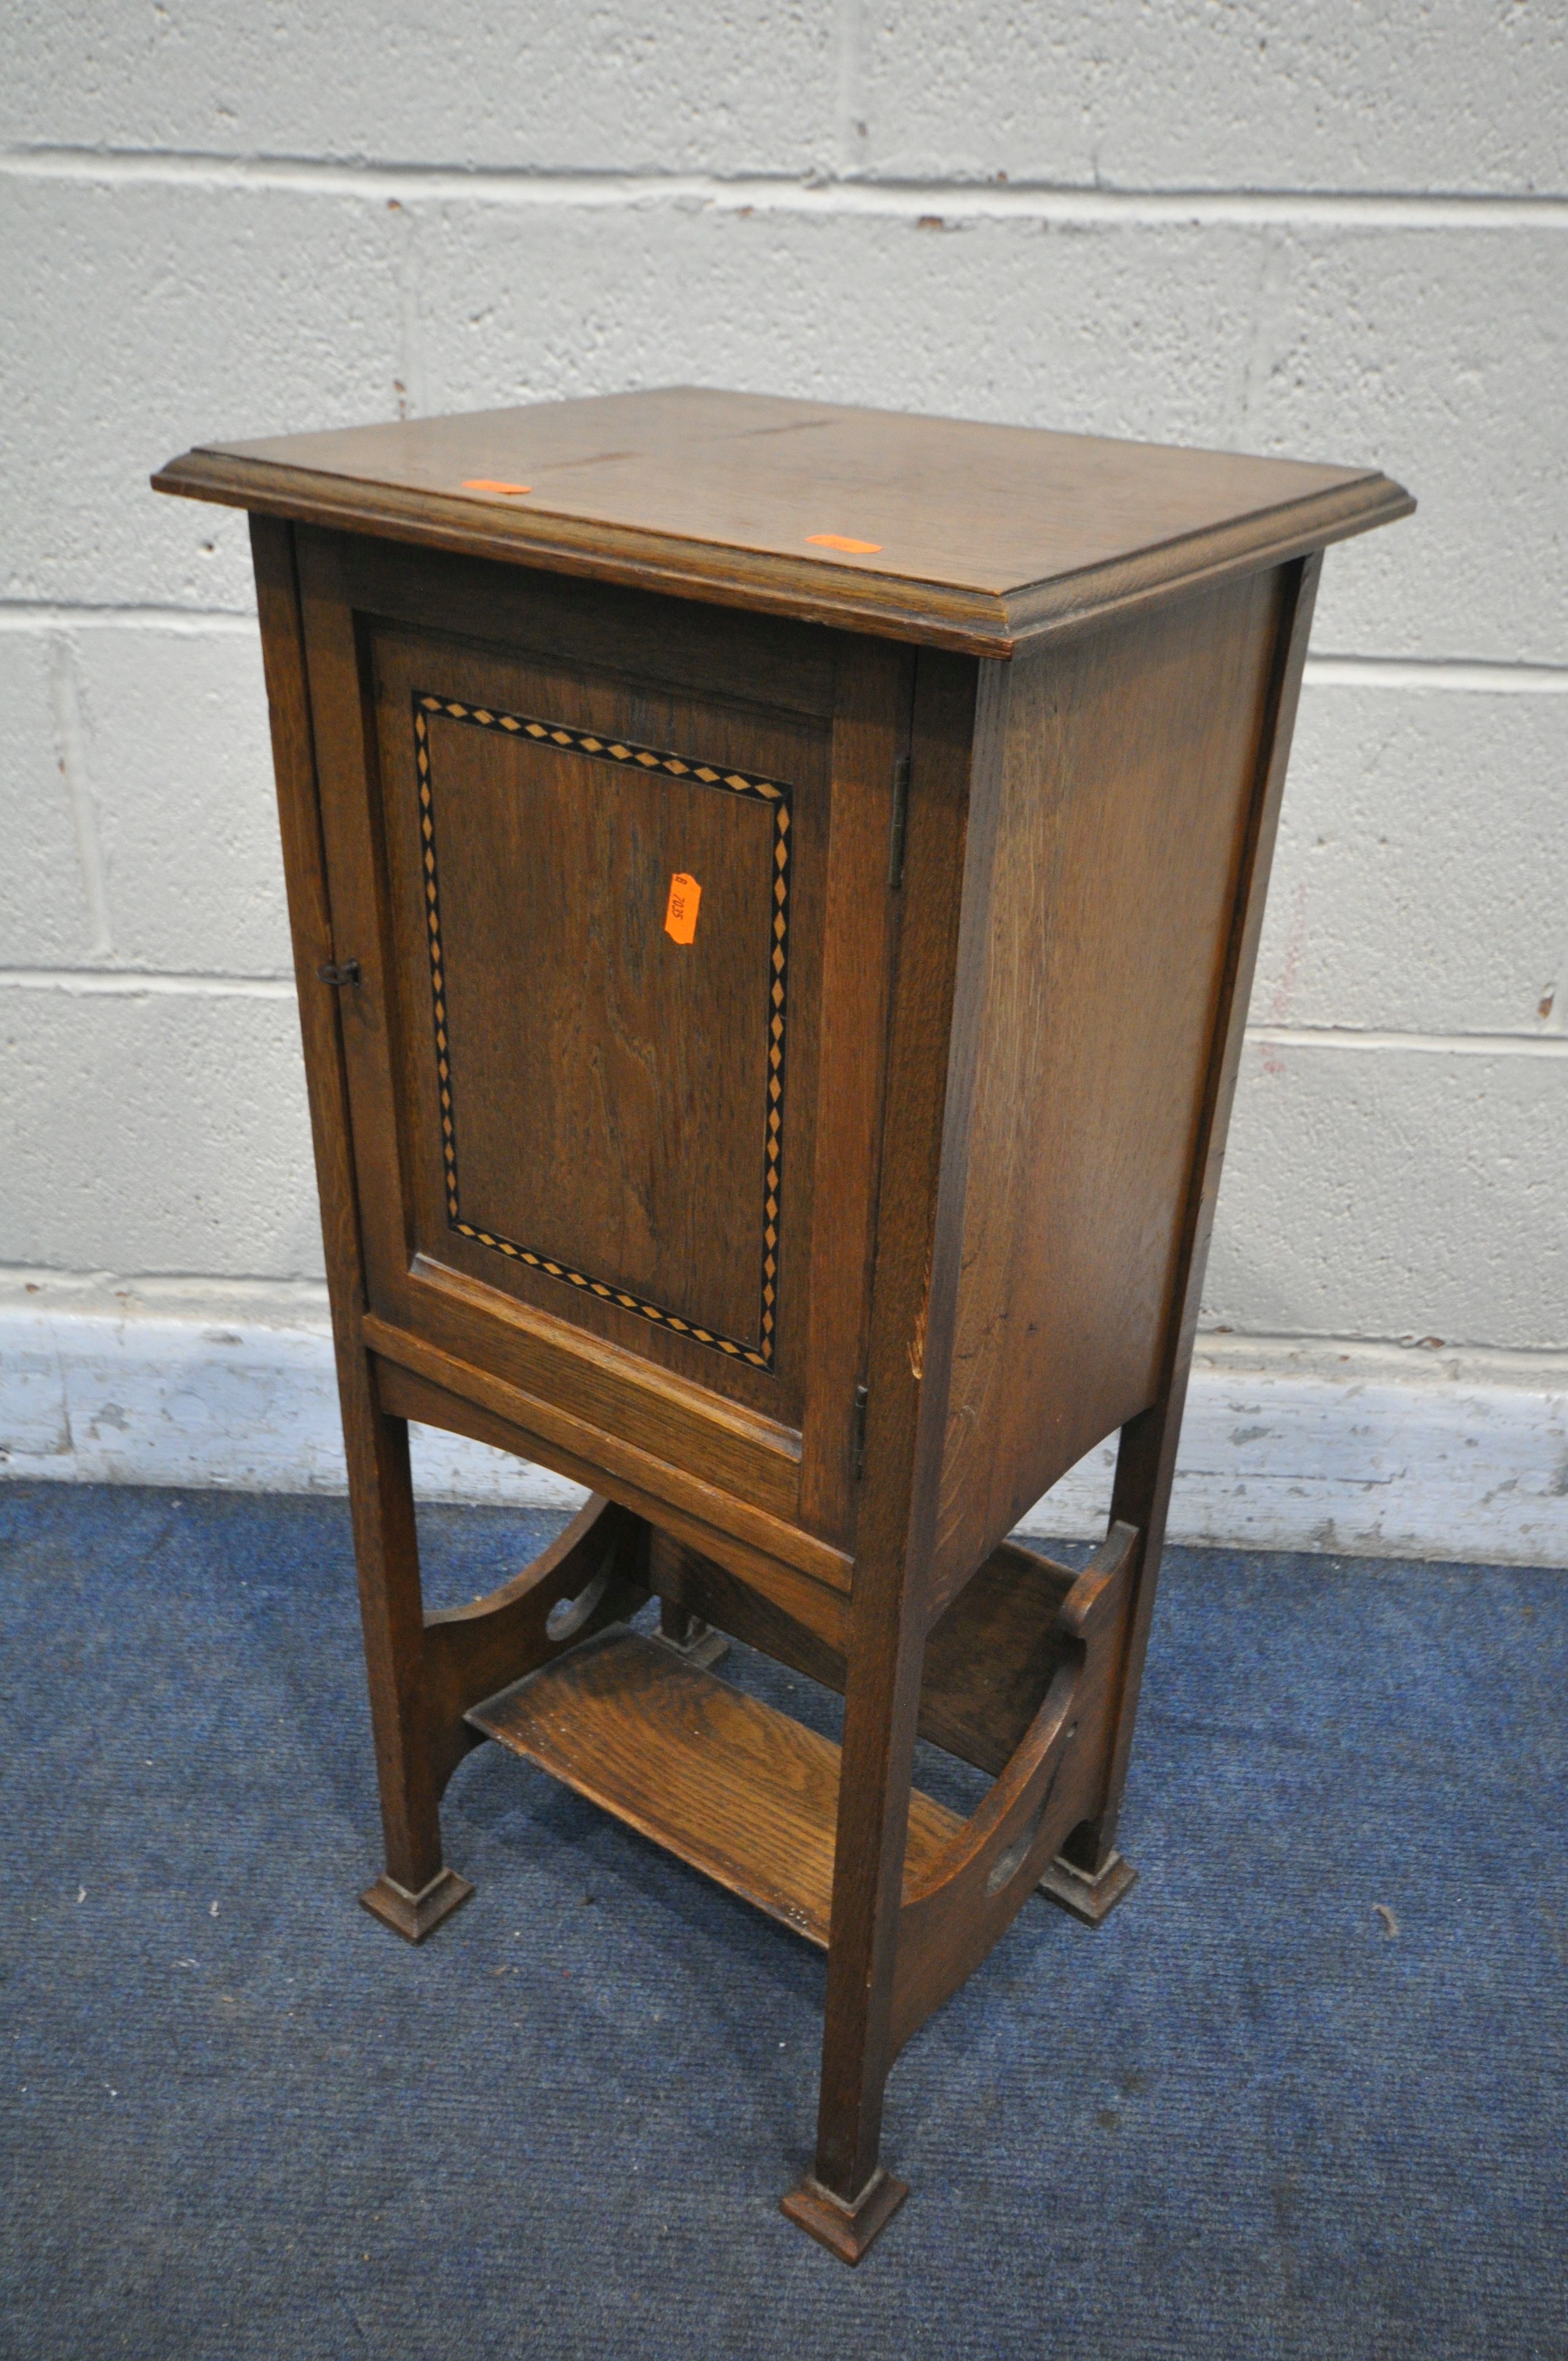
(619, 753)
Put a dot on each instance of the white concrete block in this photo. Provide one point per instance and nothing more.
(181, 771)
(238, 1404)
(1129, 333)
(154, 1131)
(142, 1400)
(46, 916)
(1187, 95)
(1431, 355)
(1359, 1450)
(1435, 354)
(1421, 878)
(35, 1428)
(734, 89)
(219, 311)
(1395, 1192)
(450, 1467)
(141, 319)
(1283, 1448)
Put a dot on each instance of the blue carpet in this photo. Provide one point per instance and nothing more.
(1246, 2118)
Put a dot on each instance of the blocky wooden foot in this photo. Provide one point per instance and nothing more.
(1089, 1899)
(415, 1916)
(846, 2231)
(694, 1642)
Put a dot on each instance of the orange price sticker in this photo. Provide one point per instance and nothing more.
(838, 541)
(680, 915)
(490, 484)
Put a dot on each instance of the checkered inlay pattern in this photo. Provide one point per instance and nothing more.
(619, 753)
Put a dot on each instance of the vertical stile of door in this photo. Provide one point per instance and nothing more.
(871, 735)
(959, 728)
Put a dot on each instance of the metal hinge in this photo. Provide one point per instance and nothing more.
(857, 1432)
(339, 971)
(899, 823)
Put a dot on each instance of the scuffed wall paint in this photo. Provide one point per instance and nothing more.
(1357, 1450)
(1346, 240)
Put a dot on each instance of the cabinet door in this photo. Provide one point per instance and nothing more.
(614, 871)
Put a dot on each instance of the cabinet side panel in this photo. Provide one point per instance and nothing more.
(1131, 754)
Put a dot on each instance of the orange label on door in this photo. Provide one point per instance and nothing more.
(680, 916)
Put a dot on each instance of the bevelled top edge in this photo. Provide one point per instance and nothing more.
(899, 606)
(1269, 537)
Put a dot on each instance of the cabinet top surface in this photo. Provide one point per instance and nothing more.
(926, 528)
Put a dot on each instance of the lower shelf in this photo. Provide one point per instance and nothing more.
(740, 1791)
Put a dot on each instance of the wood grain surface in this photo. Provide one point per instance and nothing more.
(592, 1144)
(599, 1564)
(958, 738)
(386, 1541)
(744, 1794)
(1145, 1463)
(609, 1084)
(1132, 757)
(922, 1117)
(609, 1093)
(812, 1578)
(949, 531)
(951, 1917)
(988, 1659)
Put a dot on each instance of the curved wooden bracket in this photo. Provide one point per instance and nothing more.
(594, 1574)
(972, 1893)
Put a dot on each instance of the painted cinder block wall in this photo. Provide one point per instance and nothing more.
(1337, 231)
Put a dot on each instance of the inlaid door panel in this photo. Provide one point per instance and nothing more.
(585, 1059)
(606, 929)
(608, 939)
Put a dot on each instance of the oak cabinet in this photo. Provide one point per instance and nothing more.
(774, 893)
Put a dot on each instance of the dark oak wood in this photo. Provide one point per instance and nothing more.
(386, 1547)
(1145, 1462)
(634, 636)
(1131, 772)
(990, 1656)
(666, 1213)
(988, 1659)
(870, 739)
(774, 907)
(743, 1793)
(1090, 1896)
(691, 1584)
(809, 1576)
(958, 732)
(650, 1069)
(959, 1907)
(968, 535)
(415, 1916)
(847, 2231)
(593, 1576)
